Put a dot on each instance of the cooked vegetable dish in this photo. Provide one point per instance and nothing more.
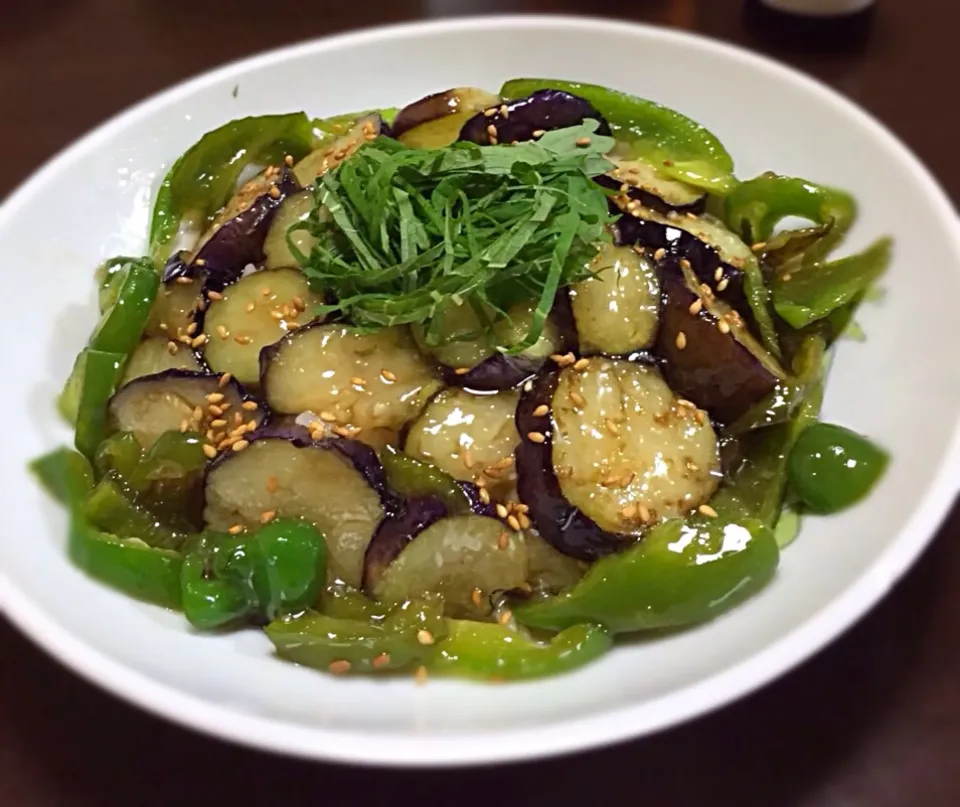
(466, 388)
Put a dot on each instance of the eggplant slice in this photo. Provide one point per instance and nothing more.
(235, 238)
(617, 310)
(639, 180)
(364, 385)
(709, 355)
(396, 532)
(464, 559)
(176, 305)
(471, 437)
(716, 255)
(318, 162)
(287, 474)
(181, 400)
(436, 120)
(521, 120)
(256, 311)
(294, 210)
(155, 355)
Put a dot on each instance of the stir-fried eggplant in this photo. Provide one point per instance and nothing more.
(436, 120)
(235, 238)
(182, 400)
(366, 385)
(323, 482)
(328, 157)
(640, 181)
(627, 452)
(464, 559)
(550, 570)
(256, 311)
(154, 355)
(276, 249)
(527, 118)
(471, 437)
(709, 355)
(175, 306)
(616, 311)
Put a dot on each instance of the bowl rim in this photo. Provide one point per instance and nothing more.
(592, 731)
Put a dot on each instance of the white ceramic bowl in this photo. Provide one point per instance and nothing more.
(901, 386)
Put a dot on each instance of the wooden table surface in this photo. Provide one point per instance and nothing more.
(873, 721)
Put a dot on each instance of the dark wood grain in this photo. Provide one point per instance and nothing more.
(873, 721)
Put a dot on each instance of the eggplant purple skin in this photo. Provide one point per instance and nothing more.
(395, 532)
(477, 505)
(430, 107)
(215, 378)
(501, 372)
(704, 259)
(239, 241)
(178, 265)
(714, 370)
(544, 110)
(562, 525)
(363, 458)
(650, 199)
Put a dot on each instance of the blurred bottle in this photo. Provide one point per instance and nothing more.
(812, 24)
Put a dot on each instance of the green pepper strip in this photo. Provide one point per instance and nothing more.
(679, 147)
(108, 508)
(209, 602)
(281, 567)
(831, 468)
(756, 207)
(814, 292)
(121, 325)
(410, 476)
(681, 573)
(489, 651)
(128, 565)
(337, 644)
(101, 374)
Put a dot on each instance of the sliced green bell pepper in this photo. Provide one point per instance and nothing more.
(118, 455)
(108, 508)
(403, 638)
(410, 476)
(681, 573)
(208, 601)
(679, 147)
(121, 325)
(202, 180)
(281, 567)
(129, 565)
(101, 374)
(831, 468)
(756, 207)
(815, 291)
(490, 651)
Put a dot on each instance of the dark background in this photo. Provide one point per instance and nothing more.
(873, 721)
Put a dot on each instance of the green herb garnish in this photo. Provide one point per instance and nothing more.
(402, 231)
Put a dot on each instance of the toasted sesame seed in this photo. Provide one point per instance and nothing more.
(718, 274)
(222, 332)
(236, 529)
(722, 285)
(183, 339)
(250, 306)
(541, 410)
(643, 512)
(339, 667)
(200, 340)
(218, 424)
(328, 417)
(629, 512)
(528, 386)
(288, 160)
(611, 427)
(467, 458)
(683, 402)
(224, 406)
(484, 496)
(536, 437)
(462, 370)
(699, 417)
(267, 516)
(272, 484)
(513, 522)
(388, 376)
(707, 510)
(274, 192)
(275, 314)
(577, 398)
(184, 281)
(685, 264)
(539, 132)
(723, 326)
(584, 141)
(265, 291)
(681, 340)
(172, 348)
(501, 511)
(787, 276)
(581, 364)
(476, 597)
(503, 541)
(420, 676)
(758, 246)
(209, 450)
(215, 397)
(250, 406)
(197, 414)
(242, 340)
(489, 113)
(609, 481)
(696, 306)
(505, 617)
(191, 329)
(493, 472)
(564, 471)
(492, 130)
(240, 445)
(658, 255)
(425, 637)
(214, 295)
